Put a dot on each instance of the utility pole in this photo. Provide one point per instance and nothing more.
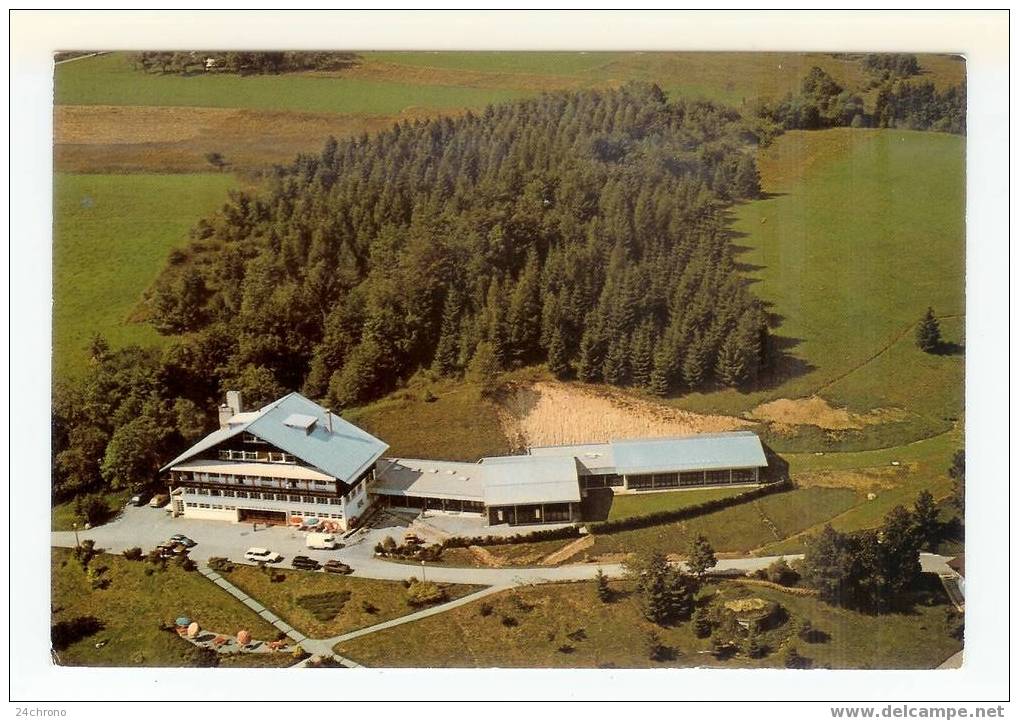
(422, 570)
(76, 543)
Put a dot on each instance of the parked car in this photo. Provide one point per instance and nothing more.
(158, 501)
(138, 499)
(263, 555)
(334, 566)
(305, 563)
(183, 540)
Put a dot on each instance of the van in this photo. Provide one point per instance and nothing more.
(321, 541)
(159, 501)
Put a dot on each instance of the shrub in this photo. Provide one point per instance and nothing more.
(509, 621)
(149, 570)
(752, 644)
(133, 554)
(185, 562)
(779, 572)
(388, 544)
(91, 509)
(793, 659)
(65, 633)
(485, 609)
(566, 648)
(369, 607)
(424, 593)
(221, 565)
(85, 552)
(656, 650)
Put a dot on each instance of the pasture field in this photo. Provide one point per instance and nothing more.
(111, 236)
(286, 114)
(565, 625)
(111, 80)
(134, 604)
(862, 230)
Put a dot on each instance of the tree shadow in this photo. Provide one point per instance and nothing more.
(947, 348)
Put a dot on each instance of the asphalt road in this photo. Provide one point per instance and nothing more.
(146, 528)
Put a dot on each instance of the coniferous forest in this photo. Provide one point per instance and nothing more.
(582, 230)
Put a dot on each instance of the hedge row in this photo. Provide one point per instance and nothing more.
(682, 514)
(551, 534)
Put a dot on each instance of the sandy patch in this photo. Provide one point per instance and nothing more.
(816, 411)
(549, 413)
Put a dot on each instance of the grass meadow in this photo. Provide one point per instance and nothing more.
(565, 625)
(861, 232)
(111, 236)
(133, 606)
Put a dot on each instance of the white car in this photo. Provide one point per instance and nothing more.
(263, 555)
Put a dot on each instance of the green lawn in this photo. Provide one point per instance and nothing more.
(647, 503)
(864, 230)
(111, 80)
(565, 625)
(740, 528)
(134, 605)
(111, 237)
(388, 598)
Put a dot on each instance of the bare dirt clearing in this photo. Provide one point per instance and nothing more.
(784, 413)
(547, 413)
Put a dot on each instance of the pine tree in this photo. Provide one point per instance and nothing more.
(746, 183)
(658, 382)
(693, 366)
(602, 584)
(642, 360)
(557, 359)
(447, 350)
(928, 333)
(701, 557)
(701, 623)
(524, 316)
(614, 369)
(731, 369)
(752, 643)
(925, 520)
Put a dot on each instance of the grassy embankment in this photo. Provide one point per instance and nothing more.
(134, 604)
(565, 625)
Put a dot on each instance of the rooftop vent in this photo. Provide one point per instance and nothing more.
(300, 422)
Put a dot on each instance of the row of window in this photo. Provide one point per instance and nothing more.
(292, 498)
(691, 478)
(223, 507)
(611, 480)
(271, 456)
(264, 481)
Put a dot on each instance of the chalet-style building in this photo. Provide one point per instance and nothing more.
(293, 460)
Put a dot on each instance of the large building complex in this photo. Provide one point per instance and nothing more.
(294, 460)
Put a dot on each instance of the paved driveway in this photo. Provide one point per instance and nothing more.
(146, 527)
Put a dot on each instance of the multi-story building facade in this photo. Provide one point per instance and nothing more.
(294, 460)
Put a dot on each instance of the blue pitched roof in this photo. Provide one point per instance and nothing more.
(344, 453)
(740, 449)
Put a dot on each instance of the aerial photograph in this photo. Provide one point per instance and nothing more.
(508, 359)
